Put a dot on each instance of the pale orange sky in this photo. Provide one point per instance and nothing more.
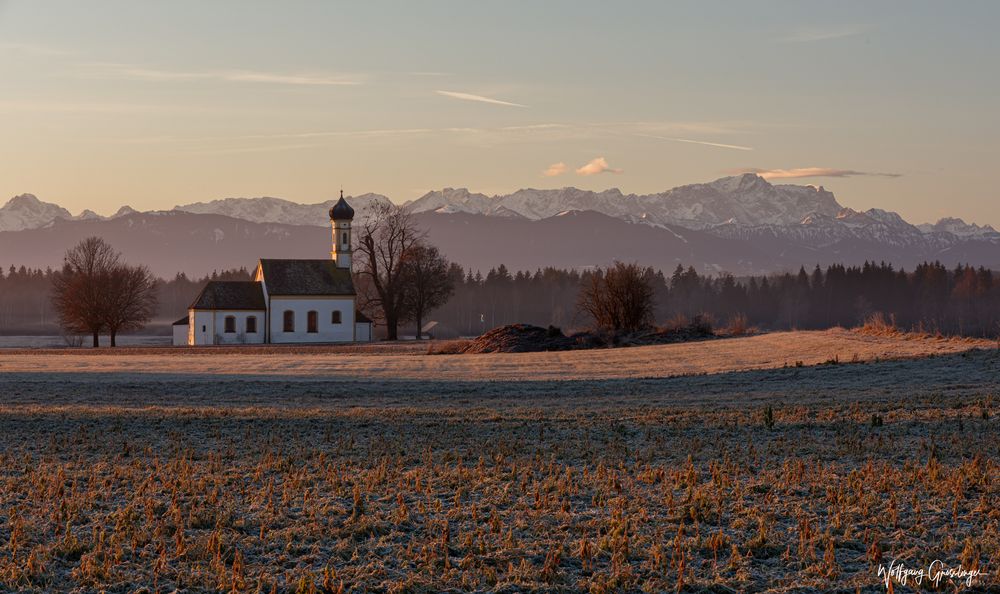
(107, 103)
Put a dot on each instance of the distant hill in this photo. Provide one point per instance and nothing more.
(740, 224)
(171, 242)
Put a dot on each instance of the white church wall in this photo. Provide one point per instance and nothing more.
(324, 307)
(180, 335)
(363, 332)
(201, 327)
(209, 327)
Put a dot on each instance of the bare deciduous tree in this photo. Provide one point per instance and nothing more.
(428, 284)
(79, 292)
(619, 298)
(131, 299)
(97, 292)
(384, 238)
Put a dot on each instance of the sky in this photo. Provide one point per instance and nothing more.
(888, 104)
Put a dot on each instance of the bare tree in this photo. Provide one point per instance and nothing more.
(97, 292)
(428, 282)
(385, 237)
(79, 293)
(131, 299)
(619, 298)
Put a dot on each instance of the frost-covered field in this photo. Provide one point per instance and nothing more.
(384, 469)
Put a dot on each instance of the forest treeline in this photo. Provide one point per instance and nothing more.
(26, 304)
(932, 298)
(963, 300)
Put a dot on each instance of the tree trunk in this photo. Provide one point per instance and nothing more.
(391, 328)
(112, 335)
(419, 324)
(97, 339)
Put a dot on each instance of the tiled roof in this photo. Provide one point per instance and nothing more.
(230, 295)
(306, 277)
(360, 318)
(181, 322)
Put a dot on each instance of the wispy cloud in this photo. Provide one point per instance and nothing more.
(112, 107)
(133, 72)
(555, 169)
(533, 133)
(735, 147)
(811, 34)
(811, 172)
(255, 149)
(34, 49)
(479, 98)
(597, 166)
(334, 133)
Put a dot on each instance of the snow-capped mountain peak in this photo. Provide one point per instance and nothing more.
(88, 215)
(124, 211)
(960, 228)
(26, 211)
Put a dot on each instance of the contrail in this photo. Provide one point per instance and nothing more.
(734, 147)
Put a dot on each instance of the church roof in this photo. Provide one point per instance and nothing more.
(181, 322)
(230, 295)
(306, 277)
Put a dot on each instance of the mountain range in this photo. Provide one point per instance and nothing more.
(741, 224)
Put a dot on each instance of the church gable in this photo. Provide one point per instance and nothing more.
(305, 278)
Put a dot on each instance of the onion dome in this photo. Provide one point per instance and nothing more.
(341, 211)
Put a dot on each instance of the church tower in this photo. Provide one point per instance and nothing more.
(341, 216)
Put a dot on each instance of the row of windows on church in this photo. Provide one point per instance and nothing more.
(312, 322)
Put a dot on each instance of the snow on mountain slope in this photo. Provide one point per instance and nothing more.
(744, 207)
(748, 199)
(278, 210)
(28, 212)
(960, 228)
(452, 200)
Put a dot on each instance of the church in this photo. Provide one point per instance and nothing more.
(287, 302)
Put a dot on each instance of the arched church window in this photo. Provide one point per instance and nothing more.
(312, 322)
(230, 324)
(344, 239)
(289, 325)
(252, 325)
(335, 318)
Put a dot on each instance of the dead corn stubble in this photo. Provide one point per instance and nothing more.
(466, 497)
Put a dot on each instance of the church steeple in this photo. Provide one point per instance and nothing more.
(341, 216)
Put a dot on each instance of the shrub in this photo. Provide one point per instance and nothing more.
(619, 298)
(877, 324)
(738, 325)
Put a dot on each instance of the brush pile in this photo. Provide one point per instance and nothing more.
(525, 338)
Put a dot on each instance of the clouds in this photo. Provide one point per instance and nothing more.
(477, 98)
(596, 167)
(813, 34)
(132, 72)
(811, 172)
(555, 169)
(592, 167)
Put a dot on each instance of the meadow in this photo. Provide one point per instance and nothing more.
(782, 462)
